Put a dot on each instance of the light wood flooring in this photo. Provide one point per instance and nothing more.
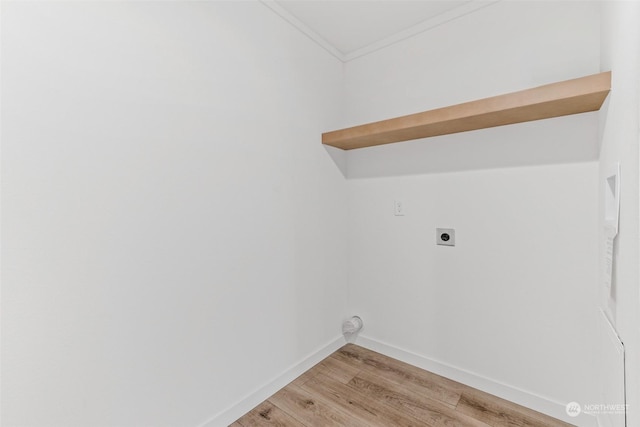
(358, 387)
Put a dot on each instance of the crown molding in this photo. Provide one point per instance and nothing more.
(303, 28)
(421, 27)
(426, 25)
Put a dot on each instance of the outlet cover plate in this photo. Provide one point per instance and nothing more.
(446, 236)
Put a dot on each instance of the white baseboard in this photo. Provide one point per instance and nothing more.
(228, 416)
(504, 391)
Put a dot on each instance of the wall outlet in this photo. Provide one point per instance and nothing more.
(446, 236)
(398, 208)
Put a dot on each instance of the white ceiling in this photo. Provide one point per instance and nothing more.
(352, 28)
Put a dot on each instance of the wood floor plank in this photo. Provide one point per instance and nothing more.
(495, 411)
(370, 357)
(495, 403)
(307, 375)
(331, 367)
(267, 414)
(433, 412)
(338, 370)
(236, 424)
(371, 411)
(311, 411)
(426, 383)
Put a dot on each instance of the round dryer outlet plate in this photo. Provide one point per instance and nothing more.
(446, 236)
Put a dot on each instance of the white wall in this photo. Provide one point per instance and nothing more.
(514, 302)
(173, 230)
(620, 137)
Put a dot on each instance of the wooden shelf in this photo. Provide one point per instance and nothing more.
(553, 100)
